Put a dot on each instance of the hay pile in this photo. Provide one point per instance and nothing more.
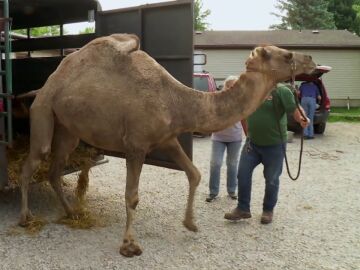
(81, 159)
(32, 227)
(84, 220)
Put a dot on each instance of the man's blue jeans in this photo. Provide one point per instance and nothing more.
(232, 161)
(309, 105)
(272, 158)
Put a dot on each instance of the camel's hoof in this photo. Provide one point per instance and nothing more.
(130, 249)
(25, 219)
(190, 226)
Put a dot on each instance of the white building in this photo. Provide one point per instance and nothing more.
(227, 51)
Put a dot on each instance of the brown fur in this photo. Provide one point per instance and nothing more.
(115, 97)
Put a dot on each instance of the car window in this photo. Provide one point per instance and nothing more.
(201, 83)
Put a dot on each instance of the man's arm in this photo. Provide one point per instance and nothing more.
(299, 118)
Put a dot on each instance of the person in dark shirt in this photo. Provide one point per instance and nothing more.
(309, 93)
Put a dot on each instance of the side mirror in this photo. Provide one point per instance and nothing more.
(200, 59)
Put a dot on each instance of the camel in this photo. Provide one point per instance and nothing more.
(115, 97)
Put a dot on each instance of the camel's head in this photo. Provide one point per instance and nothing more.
(280, 63)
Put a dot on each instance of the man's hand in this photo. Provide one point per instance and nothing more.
(300, 119)
(304, 122)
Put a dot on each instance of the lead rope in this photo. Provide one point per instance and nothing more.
(293, 90)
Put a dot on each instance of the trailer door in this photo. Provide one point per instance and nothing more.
(5, 90)
(166, 33)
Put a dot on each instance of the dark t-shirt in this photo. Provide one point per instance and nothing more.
(262, 124)
(309, 89)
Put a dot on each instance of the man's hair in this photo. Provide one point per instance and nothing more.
(229, 79)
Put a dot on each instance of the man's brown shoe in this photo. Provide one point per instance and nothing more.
(266, 217)
(237, 214)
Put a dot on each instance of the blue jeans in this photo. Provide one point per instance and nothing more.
(309, 105)
(272, 158)
(232, 161)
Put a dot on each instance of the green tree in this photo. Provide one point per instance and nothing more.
(200, 23)
(53, 30)
(356, 7)
(344, 14)
(88, 30)
(304, 14)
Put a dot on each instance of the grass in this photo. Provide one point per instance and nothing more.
(345, 110)
(342, 114)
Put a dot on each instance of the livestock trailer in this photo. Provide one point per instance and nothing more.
(165, 31)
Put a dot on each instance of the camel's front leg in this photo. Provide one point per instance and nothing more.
(175, 151)
(134, 163)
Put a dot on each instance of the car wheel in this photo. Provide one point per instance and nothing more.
(320, 128)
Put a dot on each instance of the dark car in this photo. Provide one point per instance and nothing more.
(322, 108)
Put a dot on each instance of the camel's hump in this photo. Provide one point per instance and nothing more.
(124, 43)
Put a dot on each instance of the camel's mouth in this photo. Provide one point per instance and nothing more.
(250, 66)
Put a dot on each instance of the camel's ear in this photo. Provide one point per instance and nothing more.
(265, 54)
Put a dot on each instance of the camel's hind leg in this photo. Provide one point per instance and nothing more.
(41, 133)
(63, 144)
(134, 163)
(174, 150)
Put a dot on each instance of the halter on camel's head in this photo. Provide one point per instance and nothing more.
(279, 63)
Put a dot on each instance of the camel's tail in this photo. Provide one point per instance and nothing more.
(29, 94)
(20, 107)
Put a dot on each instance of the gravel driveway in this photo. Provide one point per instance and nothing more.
(316, 222)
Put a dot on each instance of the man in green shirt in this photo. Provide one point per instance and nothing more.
(265, 144)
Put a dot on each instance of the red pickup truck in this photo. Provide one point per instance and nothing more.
(204, 82)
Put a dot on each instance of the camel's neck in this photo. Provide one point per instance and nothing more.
(215, 111)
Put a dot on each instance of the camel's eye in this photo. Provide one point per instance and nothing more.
(265, 54)
(289, 56)
(252, 54)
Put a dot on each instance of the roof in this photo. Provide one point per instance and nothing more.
(307, 39)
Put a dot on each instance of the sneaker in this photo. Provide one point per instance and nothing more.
(232, 195)
(237, 214)
(266, 217)
(210, 198)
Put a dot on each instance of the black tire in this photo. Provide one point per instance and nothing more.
(320, 128)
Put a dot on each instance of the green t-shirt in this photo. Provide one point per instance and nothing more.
(262, 124)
